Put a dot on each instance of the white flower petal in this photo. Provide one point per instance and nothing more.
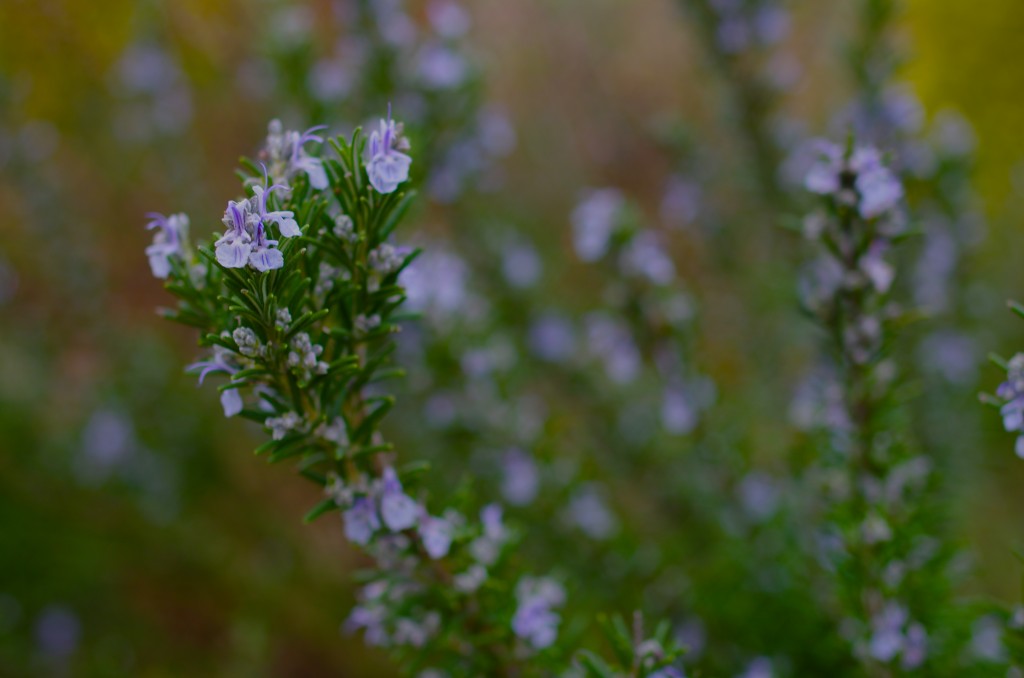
(231, 401)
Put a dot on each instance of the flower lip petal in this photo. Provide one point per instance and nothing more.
(309, 136)
(157, 220)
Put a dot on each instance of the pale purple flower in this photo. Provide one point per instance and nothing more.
(394, 25)
(440, 410)
(231, 401)
(245, 240)
(733, 35)
(436, 534)
(915, 647)
(448, 18)
(987, 639)
(693, 637)
(952, 355)
(645, 257)
(435, 284)
(233, 248)
(388, 166)
(168, 241)
(535, 623)
(879, 272)
(610, 340)
(552, 338)
(440, 67)
(416, 633)
(370, 617)
(759, 494)
(819, 403)
(264, 255)
(220, 361)
(399, 510)
(823, 176)
(953, 134)
(680, 204)
(759, 667)
(678, 411)
(820, 281)
(495, 132)
(292, 24)
(594, 221)
(487, 547)
(887, 637)
(588, 511)
(331, 79)
(771, 22)
(57, 632)
(498, 356)
(155, 95)
(543, 588)
(534, 620)
(288, 157)
(1012, 392)
(902, 109)
(285, 219)
(880, 190)
(301, 161)
(936, 267)
(146, 68)
(491, 519)
(361, 521)
(108, 440)
(470, 580)
(521, 265)
(520, 479)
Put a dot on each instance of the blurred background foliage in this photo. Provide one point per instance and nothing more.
(137, 534)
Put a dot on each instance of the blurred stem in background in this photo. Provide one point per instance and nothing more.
(736, 38)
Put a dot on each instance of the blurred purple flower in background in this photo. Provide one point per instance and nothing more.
(588, 510)
(552, 337)
(361, 521)
(435, 284)
(521, 264)
(57, 632)
(448, 18)
(610, 341)
(594, 221)
(398, 510)
(168, 241)
(437, 534)
(1012, 392)
(520, 480)
(534, 619)
(645, 257)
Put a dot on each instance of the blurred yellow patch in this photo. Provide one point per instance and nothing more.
(967, 55)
